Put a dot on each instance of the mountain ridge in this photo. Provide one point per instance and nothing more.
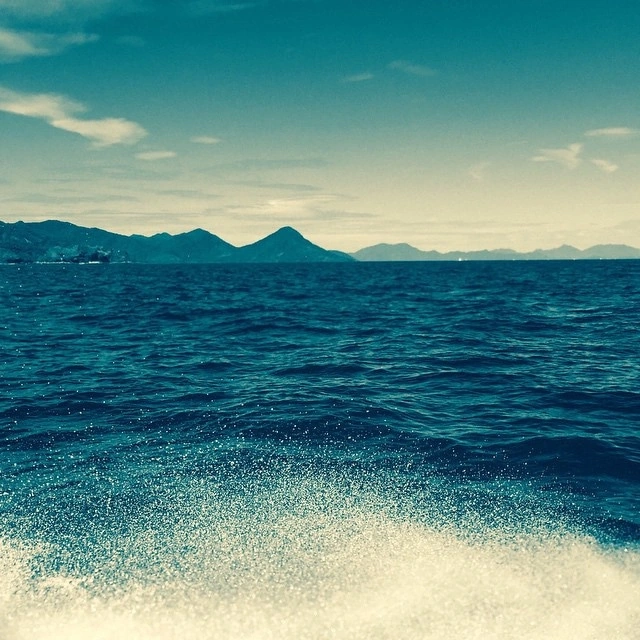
(403, 252)
(61, 241)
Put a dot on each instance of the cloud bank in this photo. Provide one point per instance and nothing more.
(61, 113)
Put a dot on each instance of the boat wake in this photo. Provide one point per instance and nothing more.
(309, 557)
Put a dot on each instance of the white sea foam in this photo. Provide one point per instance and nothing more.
(306, 559)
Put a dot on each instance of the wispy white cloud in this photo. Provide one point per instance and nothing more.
(155, 155)
(358, 77)
(82, 11)
(16, 45)
(61, 9)
(276, 164)
(199, 7)
(55, 13)
(61, 113)
(612, 132)
(412, 68)
(305, 206)
(278, 186)
(195, 194)
(605, 165)
(478, 171)
(67, 199)
(47, 106)
(294, 209)
(104, 132)
(568, 157)
(205, 140)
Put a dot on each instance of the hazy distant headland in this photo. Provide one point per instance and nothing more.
(57, 241)
(407, 253)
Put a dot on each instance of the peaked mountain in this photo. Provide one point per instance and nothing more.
(56, 241)
(405, 252)
(288, 245)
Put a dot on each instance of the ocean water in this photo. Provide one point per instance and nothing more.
(353, 451)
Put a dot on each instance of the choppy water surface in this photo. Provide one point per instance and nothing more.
(370, 451)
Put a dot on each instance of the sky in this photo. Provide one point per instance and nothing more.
(446, 124)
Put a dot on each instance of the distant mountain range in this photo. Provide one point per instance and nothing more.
(56, 241)
(405, 252)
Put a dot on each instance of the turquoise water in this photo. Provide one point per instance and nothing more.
(362, 450)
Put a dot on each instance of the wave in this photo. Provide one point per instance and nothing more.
(296, 555)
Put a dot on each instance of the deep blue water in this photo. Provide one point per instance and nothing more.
(401, 450)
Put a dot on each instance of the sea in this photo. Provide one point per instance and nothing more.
(361, 451)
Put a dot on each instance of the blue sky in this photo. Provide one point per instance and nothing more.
(451, 124)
